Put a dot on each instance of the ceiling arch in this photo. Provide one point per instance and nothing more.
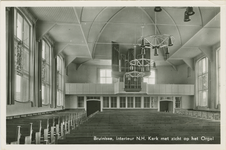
(90, 30)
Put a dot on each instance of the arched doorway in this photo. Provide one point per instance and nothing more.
(92, 106)
(166, 106)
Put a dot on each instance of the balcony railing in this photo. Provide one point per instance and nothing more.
(118, 88)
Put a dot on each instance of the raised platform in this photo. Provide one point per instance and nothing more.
(204, 114)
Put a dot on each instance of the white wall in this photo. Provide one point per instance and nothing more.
(71, 102)
(187, 102)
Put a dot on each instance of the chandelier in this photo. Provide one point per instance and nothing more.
(153, 42)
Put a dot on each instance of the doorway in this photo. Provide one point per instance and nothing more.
(92, 106)
(166, 106)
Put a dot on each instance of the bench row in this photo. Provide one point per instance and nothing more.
(42, 129)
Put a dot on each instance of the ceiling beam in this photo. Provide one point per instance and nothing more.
(180, 48)
(69, 59)
(207, 51)
(174, 22)
(43, 28)
(78, 65)
(102, 29)
(59, 47)
(173, 66)
(189, 62)
(83, 34)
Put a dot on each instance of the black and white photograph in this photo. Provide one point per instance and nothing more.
(137, 75)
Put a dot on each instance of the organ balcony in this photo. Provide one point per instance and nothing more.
(118, 88)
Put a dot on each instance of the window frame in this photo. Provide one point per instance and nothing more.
(147, 102)
(121, 103)
(47, 84)
(106, 103)
(178, 101)
(130, 103)
(114, 102)
(60, 79)
(218, 83)
(199, 82)
(137, 102)
(23, 74)
(150, 78)
(105, 77)
(80, 102)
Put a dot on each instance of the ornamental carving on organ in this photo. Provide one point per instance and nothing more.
(18, 60)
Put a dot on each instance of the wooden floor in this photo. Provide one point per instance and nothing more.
(143, 127)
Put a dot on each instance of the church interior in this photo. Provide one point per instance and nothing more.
(113, 75)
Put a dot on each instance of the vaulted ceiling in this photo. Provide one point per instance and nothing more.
(84, 34)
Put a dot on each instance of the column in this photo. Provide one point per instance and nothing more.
(158, 103)
(126, 101)
(174, 101)
(142, 101)
(118, 101)
(101, 103)
(109, 102)
(134, 102)
(85, 99)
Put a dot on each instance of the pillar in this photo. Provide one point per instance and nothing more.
(85, 99)
(158, 103)
(142, 101)
(134, 102)
(174, 101)
(118, 101)
(101, 103)
(126, 102)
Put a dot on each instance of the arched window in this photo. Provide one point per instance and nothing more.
(218, 68)
(151, 78)
(60, 81)
(46, 72)
(22, 46)
(202, 82)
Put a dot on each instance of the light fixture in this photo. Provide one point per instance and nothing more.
(158, 9)
(186, 17)
(153, 42)
(190, 11)
(156, 50)
(133, 74)
(154, 65)
(167, 52)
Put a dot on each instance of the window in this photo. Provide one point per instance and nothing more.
(178, 102)
(93, 97)
(80, 101)
(146, 102)
(218, 68)
(154, 102)
(151, 78)
(137, 102)
(23, 52)
(106, 102)
(122, 102)
(113, 102)
(130, 102)
(202, 84)
(105, 76)
(46, 72)
(60, 81)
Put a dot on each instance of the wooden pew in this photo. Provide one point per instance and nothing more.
(33, 130)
